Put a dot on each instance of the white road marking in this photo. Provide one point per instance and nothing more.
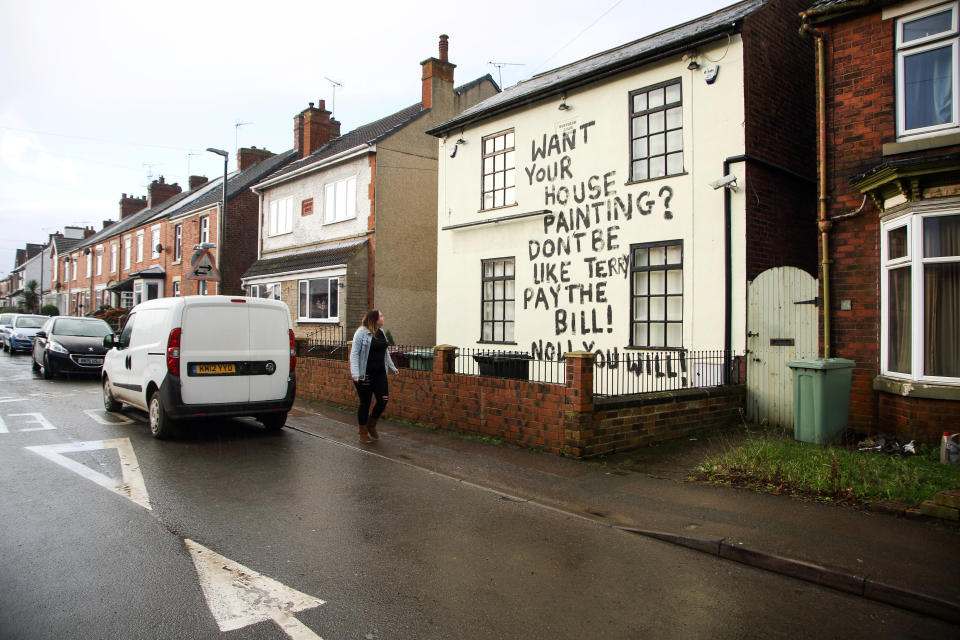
(239, 597)
(115, 418)
(12, 399)
(37, 418)
(130, 486)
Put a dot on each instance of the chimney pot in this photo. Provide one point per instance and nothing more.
(444, 47)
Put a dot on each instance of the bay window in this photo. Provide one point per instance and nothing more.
(319, 299)
(920, 293)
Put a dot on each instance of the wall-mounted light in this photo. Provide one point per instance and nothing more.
(158, 248)
(563, 106)
(86, 251)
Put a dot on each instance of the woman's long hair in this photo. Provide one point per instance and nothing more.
(370, 319)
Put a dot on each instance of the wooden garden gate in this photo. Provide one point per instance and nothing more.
(782, 324)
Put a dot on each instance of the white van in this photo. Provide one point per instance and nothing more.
(200, 356)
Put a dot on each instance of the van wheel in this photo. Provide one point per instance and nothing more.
(109, 402)
(161, 425)
(274, 421)
(36, 367)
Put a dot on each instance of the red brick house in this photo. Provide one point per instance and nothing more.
(890, 218)
(146, 253)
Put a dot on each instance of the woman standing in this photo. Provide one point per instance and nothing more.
(369, 365)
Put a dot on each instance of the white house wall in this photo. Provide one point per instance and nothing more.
(683, 207)
(310, 230)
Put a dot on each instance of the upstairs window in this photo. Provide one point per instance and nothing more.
(499, 170)
(177, 242)
(656, 131)
(339, 201)
(99, 251)
(927, 71)
(281, 217)
(205, 230)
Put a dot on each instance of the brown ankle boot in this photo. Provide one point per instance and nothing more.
(372, 428)
(364, 435)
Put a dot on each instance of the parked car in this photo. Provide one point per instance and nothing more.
(70, 344)
(19, 335)
(5, 321)
(200, 356)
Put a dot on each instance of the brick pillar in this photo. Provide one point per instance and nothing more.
(579, 396)
(444, 359)
(578, 403)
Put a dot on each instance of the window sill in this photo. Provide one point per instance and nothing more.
(920, 144)
(329, 222)
(492, 342)
(914, 389)
(506, 206)
(653, 349)
(672, 175)
(318, 321)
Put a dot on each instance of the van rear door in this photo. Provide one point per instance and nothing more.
(269, 342)
(214, 347)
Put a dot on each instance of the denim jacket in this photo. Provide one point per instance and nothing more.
(360, 351)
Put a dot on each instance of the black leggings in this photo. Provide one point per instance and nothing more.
(366, 388)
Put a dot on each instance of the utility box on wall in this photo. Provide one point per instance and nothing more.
(821, 398)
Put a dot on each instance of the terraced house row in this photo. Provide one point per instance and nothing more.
(775, 180)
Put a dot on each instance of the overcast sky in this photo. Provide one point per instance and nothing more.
(99, 96)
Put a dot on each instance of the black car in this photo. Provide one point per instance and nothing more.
(70, 344)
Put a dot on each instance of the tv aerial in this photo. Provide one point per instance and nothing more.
(500, 66)
(333, 100)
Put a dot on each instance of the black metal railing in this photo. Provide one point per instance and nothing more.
(615, 373)
(651, 371)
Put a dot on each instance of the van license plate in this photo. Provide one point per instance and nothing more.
(214, 369)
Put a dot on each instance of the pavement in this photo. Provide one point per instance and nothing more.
(906, 563)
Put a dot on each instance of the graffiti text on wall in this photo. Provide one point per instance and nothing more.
(581, 251)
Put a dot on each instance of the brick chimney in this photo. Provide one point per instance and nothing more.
(106, 223)
(313, 128)
(130, 205)
(247, 157)
(159, 190)
(437, 76)
(197, 181)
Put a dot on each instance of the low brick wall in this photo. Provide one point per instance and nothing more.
(629, 422)
(563, 419)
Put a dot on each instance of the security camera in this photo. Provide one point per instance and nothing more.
(453, 152)
(729, 181)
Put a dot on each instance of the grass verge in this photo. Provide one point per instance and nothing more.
(783, 466)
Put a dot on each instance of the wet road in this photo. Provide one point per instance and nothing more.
(233, 532)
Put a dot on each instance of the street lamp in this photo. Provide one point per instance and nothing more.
(223, 211)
